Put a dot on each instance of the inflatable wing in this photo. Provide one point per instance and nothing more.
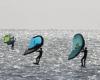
(78, 45)
(35, 43)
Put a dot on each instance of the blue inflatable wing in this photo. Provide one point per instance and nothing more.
(34, 44)
(35, 41)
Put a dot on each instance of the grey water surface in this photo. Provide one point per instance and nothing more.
(54, 64)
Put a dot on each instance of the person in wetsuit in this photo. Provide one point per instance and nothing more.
(12, 42)
(40, 55)
(83, 60)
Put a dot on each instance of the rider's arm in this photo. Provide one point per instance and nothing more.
(82, 50)
(38, 51)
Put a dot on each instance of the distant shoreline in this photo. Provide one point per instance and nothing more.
(49, 30)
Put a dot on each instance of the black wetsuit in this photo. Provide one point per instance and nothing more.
(83, 60)
(12, 43)
(40, 55)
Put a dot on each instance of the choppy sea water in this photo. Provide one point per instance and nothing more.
(54, 64)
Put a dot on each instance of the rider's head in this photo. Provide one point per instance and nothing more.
(85, 48)
(40, 48)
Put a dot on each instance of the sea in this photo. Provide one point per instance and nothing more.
(54, 64)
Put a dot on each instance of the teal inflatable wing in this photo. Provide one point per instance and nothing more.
(78, 45)
(35, 41)
(34, 44)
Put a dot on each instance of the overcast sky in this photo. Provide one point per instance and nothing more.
(46, 14)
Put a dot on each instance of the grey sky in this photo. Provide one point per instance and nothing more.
(46, 14)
